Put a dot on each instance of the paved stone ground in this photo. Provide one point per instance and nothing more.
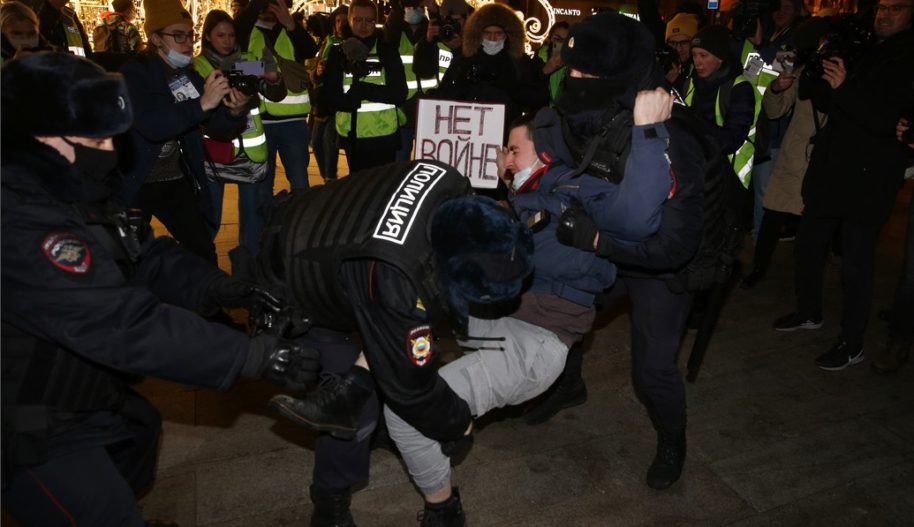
(772, 439)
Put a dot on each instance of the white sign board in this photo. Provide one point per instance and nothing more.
(465, 135)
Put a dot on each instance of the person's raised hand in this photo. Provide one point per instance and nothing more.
(653, 106)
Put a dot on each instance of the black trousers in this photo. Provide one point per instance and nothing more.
(858, 245)
(96, 485)
(658, 318)
(176, 206)
(338, 464)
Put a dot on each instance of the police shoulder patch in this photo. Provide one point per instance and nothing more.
(67, 251)
(419, 345)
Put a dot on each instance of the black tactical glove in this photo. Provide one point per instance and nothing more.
(287, 322)
(281, 362)
(576, 229)
(230, 292)
(458, 449)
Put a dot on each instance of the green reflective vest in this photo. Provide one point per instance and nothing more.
(741, 160)
(295, 103)
(555, 78)
(253, 139)
(445, 57)
(375, 119)
(413, 84)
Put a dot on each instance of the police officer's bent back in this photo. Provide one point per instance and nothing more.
(84, 311)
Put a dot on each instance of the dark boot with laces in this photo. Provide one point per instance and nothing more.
(331, 509)
(335, 406)
(667, 465)
(448, 513)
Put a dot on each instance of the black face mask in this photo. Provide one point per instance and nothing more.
(92, 162)
(587, 95)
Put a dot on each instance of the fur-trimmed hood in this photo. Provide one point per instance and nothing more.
(494, 15)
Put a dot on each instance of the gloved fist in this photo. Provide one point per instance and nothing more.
(230, 292)
(281, 362)
(457, 450)
(575, 228)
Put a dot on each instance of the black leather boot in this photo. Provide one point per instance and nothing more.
(331, 510)
(448, 513)
(334, 407)
(667, 465)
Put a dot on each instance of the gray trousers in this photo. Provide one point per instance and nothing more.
(532, 359)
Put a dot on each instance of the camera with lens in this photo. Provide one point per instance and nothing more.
(450, 27)
(668, 58)
(246, 84)
(745, 16)
(361, 68)
(848, 37)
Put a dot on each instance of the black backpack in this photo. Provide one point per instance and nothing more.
(723, 226)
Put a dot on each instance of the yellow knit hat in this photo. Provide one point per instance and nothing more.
(163, 13)
(682, 24)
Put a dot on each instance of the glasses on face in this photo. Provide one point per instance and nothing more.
(181, 37)
(892, 9)
(363, 20)
(679, 43)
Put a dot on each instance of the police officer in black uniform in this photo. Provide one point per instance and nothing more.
(392, 252)
(91, 302)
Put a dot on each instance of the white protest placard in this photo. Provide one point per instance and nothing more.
(465, 135)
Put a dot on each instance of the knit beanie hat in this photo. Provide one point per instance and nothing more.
(454, 7)
(715, 40)
(609, 45)
(163, 13)
(683, 24)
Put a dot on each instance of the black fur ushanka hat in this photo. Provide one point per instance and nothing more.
(610, 46)
(57, 94)
(484, 253)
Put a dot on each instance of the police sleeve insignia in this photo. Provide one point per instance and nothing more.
(67, 251)
(419, 345)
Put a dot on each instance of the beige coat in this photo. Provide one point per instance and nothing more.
(784, 188)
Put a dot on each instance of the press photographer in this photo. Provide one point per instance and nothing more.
(245, 161)
(407, 25)
(443, 39)
(267, 30)
(365, 97)
(856, 169)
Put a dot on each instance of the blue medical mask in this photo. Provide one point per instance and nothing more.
(178, 60)
(413, 15)
(492, 47)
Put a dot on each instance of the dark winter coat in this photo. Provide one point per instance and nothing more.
(857, 163)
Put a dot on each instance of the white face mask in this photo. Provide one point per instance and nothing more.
(492, 47)
(413, 15)
(178, 60)
(522, 176)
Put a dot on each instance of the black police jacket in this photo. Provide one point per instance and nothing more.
(72, 315)
(355, 255)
